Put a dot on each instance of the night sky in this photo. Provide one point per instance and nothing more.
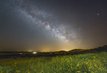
(51, 25)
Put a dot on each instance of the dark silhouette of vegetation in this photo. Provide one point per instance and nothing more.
(15, 54)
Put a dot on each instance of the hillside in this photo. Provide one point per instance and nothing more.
(14, 54)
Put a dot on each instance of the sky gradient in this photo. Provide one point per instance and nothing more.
(50, 25)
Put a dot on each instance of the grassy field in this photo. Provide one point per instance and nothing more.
(82, 63)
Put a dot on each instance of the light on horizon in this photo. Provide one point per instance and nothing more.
(34, 52)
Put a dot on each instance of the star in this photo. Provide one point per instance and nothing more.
(98, 14)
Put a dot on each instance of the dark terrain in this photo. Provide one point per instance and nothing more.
(14, 54)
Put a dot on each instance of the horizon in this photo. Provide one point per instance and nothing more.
(31, 51)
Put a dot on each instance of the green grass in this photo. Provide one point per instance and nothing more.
(82, 63)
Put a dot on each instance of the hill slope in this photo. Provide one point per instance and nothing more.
(15, 54)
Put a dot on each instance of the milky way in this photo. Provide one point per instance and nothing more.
(41, 20)
(52, 25)
(48, 22)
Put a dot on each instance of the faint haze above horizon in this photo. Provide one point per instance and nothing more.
(51, 25)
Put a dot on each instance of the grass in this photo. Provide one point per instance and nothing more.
(82, 63)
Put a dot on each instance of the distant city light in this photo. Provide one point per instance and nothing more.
(34, 52)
